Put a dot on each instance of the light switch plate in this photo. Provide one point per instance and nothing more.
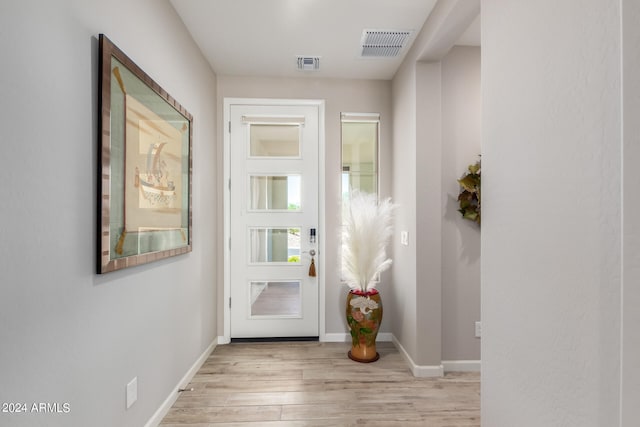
(132, 392)
(404, 238)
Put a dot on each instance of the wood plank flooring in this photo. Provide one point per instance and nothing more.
(297, 384)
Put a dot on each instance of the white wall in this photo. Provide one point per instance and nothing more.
(68, 335)
(551, 231)
(630, 372)
(427, 149)
(401, 304)
(428, 200)
(461, 134)
(340, 95)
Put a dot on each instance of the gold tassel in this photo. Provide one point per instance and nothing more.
(312, 268)
(121, 242)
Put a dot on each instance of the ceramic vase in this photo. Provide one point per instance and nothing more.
(364, 315)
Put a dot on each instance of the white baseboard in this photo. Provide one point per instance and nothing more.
(419, 371)
(223, 340)
(156, 419)
(461, 365)
(345, 337)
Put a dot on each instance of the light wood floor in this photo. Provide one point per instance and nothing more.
(315, 384)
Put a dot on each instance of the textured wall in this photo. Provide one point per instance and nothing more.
(630, 374)
(428, 200)
(68, 335)
(418, 186)
(401, 306)
(551, 231)
(461, 133)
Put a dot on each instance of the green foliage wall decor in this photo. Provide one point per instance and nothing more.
(469, 197)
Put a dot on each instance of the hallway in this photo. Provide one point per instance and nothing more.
(315, 384)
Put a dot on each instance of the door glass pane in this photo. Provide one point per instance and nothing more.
(280, 299)
(359, 156)
(274, 192)
(274, 245)
(359, 137)
(274, 140)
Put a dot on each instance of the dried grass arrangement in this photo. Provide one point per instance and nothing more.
(366, 232)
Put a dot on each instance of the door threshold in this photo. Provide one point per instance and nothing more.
(273, 339)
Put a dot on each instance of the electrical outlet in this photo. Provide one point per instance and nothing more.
(132, 392)
(478, 329)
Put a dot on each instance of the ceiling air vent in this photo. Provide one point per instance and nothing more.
(383, 43)
(308, 63)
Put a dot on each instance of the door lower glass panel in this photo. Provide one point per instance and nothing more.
(276, 299)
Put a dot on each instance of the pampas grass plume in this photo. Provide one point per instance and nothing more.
(366, 232)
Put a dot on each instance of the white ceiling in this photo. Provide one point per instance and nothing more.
(264, 37)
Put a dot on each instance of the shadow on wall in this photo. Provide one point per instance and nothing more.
(467, 230)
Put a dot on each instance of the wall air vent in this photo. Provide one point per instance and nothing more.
(308, 63)
(383, 43)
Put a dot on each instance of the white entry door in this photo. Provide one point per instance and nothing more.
(274, 220)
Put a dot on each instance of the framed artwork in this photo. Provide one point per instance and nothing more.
(145, 166)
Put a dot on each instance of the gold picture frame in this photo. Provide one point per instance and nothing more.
(145, 166)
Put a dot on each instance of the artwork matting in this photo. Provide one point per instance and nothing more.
(144, 206)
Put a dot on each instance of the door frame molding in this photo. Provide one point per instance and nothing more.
(228, 102)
